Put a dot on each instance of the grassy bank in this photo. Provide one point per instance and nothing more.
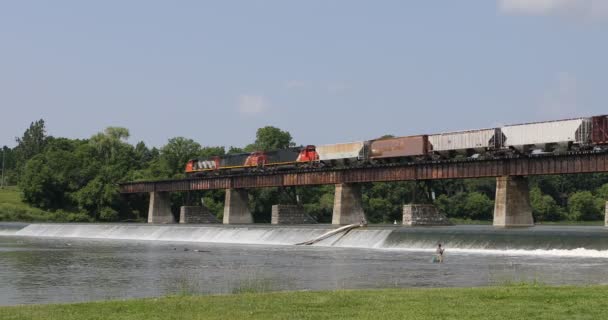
(12, 208)
(511, 302)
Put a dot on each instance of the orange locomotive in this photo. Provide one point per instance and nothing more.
(298, 157)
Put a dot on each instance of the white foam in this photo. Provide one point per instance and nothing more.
(566, 253)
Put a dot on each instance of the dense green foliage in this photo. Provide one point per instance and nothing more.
(72, 179)
(509, 302)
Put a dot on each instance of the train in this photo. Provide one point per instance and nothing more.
(528, 139)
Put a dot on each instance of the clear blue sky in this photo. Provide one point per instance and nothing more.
(327, 71)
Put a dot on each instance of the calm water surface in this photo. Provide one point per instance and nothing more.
(66, 270)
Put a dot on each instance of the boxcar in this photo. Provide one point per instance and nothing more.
(471, 141)
(544, 135)
(352, 151)
(413, 146)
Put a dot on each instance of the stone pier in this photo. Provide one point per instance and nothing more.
(606, 214)
(159, 210)
(423, 215)
(348, 208)
(196, 214)
(290, 214)
(512, 205)
(236, 207)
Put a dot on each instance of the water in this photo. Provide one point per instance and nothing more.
(55, 263)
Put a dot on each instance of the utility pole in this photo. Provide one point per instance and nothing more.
(2, 179)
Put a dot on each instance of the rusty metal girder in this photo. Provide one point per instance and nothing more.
(524, 166)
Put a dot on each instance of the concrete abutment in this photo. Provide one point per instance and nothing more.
(423, 215)
(348, 206)
(196, 214)
(290, 214)
(236, 207)
(512, 204)
(159, 210)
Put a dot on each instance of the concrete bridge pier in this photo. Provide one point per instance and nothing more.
(348, 206)
(606, 215)
(236, 207)
(512, 205)
(159, 210)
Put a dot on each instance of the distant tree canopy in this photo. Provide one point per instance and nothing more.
(79, 178)
(32, 142)
(270, 138)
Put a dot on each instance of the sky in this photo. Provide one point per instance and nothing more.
(326, 71)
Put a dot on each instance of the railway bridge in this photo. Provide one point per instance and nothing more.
(512, 204)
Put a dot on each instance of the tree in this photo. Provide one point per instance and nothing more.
(110, 142)
(32, 142)
(478, 206)
(583, 206)
(544, 207)
(49, 178)
(177, 152)
(270, 138)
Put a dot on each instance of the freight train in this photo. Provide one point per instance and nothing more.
(538, 138)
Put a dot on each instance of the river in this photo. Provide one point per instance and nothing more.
(47, 263)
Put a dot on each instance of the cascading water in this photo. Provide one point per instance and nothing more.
(540, 240)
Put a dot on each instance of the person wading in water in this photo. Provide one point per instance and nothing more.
(439, 252)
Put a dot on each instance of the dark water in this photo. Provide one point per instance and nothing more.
(35, 270)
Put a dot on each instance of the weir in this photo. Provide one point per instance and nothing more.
(553, 240)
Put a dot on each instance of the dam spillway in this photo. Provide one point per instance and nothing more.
(555, 240)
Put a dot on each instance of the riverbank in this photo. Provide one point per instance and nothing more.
(507, 302)
(12, 208)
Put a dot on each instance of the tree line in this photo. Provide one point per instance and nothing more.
(77, 180)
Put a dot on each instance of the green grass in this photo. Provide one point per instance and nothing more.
(12, 208)
(509, 302)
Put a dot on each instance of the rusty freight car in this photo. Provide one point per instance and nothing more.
(412, 147)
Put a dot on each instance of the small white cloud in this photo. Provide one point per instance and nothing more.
(585, 9)
(295, 84)
(252, 104)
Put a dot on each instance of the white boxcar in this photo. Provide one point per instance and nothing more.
(352, 150)
(461, 141)
(539, 134)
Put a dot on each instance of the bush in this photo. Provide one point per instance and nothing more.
(474, 205)
(583, 205)
(544, 207)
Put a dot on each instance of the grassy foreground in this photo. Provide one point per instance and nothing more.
(510, 302)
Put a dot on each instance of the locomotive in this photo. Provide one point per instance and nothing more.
(548, 137)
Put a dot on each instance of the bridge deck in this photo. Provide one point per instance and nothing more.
(587, 162)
